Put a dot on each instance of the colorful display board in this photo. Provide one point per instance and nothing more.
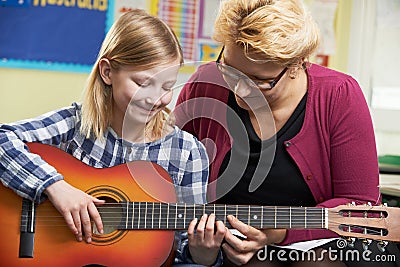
(53, 35)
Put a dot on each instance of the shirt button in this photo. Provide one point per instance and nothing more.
(321, 199)
(288, 144)
(309, 177)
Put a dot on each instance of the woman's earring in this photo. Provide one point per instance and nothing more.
(293, 73)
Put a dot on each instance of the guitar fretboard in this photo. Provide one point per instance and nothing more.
(172, 216)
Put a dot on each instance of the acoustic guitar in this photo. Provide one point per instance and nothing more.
(141, 214)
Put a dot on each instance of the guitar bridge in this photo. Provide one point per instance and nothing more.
(27, 232)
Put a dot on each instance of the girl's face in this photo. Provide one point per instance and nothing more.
(139, 95)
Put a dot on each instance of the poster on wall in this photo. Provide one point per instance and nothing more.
(181, 16)
(193, 23)
(54, 35)
(208, 49)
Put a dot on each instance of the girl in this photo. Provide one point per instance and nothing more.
(123, 117)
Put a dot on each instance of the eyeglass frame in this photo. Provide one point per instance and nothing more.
(272, 84)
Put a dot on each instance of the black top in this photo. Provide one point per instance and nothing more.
(282, 184)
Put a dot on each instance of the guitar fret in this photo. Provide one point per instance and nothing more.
(305, 217)
(326, 222)
(138, 216)
(225, 215)
(275, 212)
(145, 216)
(127, 215)
(133, 213)
(326, 217)
(176, 214)
(262, 217)
(237, 207)
(159, 218)
(248, 216)
(290, 217)
(152, 217)
(167, 214)
(184, 217)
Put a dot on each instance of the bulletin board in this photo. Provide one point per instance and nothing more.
(66, 35)
(53, 35)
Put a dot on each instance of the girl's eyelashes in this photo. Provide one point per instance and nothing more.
(169, 86)
(142, 83)
(168, 89)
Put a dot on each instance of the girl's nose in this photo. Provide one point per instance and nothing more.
(153, 100)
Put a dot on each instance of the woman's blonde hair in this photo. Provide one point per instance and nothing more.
(137, 40)
(279, 31)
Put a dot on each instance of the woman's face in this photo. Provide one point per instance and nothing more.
(139, 95)
(248, 94)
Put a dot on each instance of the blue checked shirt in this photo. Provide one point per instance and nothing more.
(179, 153)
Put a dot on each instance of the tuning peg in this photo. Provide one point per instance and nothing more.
(366, 243)
(369, 204)
(353, 203)
(382, 245)
(351, 241)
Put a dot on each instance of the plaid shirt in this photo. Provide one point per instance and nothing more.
(179, 153)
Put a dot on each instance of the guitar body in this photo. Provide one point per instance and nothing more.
(54, 243)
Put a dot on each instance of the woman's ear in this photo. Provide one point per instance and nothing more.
(105, 70)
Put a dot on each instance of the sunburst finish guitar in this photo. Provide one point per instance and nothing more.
(140, 215)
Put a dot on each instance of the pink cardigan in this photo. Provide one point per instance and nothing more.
(335, 149)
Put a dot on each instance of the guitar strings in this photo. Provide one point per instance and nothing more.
(242, 211)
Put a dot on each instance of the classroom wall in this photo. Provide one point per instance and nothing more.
(25, 92)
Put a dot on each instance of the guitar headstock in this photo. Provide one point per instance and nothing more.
(366, 222)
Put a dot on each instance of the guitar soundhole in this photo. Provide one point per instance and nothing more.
(111, 215)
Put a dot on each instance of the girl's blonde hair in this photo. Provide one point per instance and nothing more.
(279, 31)
(137, 40)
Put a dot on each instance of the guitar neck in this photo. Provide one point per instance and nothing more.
(172, 216)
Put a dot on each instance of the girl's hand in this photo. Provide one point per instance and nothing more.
(240, 251)
(205, 243)
(77, 208)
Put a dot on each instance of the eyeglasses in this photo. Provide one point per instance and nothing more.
(232, 76)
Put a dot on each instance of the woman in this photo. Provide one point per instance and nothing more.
(123, 117)
(278, 129)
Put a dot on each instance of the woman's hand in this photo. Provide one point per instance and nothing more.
(240, 251)
(76, 207)
(205, 243)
